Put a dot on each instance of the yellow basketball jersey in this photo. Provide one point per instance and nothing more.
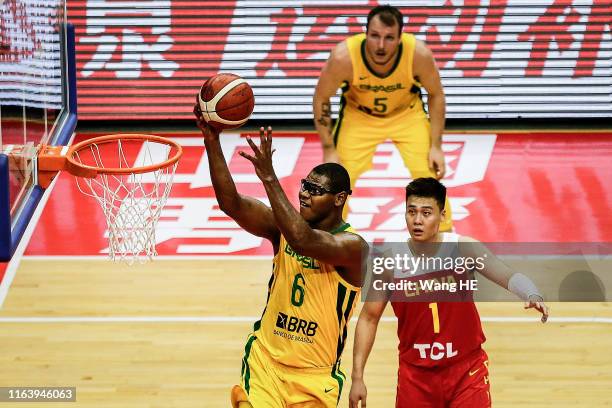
(304, 323)
(382, 96)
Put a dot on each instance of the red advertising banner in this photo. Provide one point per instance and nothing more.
(506, 58)
(502, 188)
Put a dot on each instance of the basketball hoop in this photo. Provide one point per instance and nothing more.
(131, 195)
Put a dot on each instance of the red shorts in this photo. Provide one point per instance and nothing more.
(463, 384)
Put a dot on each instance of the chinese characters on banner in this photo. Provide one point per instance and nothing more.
(191, 222)
(160, 52)
(481, 29)
(502, 189)
(128, 35)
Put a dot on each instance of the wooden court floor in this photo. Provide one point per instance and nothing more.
(185, 324)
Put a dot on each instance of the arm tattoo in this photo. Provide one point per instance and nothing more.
(325, 119)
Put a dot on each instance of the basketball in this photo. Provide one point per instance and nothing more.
(226, 101)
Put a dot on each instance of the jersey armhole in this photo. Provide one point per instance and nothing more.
(344, 281)
(349, 48)
(411, 43)
(344, 228)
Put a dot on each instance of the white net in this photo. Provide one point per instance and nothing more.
(132, 202)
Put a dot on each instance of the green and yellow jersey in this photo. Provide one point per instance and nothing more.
(378, 96)
(304, 323)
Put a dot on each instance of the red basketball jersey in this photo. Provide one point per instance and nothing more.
(437, 333)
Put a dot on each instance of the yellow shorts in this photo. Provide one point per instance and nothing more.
(269, 384)
(357, 135)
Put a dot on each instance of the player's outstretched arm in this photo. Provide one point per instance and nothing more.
(426, 70)
(365, 333)
(337, 69)
(250, 213)
(345, 250)
(498, 272)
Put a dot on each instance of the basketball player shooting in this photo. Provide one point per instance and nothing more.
(441, 360)
(292, 357)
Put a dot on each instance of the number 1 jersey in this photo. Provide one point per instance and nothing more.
(437, 334)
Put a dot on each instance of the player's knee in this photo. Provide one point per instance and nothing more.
(420, 171)
(239, 398)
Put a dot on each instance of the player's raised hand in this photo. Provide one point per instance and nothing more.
(536, 302)
(436, 162)
(358, 394)
(330, 155)
(262, 155)
(209, 132)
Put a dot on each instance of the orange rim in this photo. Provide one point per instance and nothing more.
(79, 169)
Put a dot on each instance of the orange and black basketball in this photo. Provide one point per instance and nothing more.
(226, 101)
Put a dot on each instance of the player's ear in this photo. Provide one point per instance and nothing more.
(340, 199)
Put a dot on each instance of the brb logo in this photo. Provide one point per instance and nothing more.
(295, 325)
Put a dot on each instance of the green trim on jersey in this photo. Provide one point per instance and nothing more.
(246, 371)
(339, 377)
(395, 64)
(257, 324)
(341, 228)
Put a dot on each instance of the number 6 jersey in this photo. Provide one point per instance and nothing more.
(304, 323)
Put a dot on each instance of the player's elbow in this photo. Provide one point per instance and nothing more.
(320, 95)
(326, 88)
(436, 95)
(299, 242)
(229, 206)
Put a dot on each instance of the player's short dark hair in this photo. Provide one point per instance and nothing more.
(388, 15)
(427, 187)
(339, 179)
